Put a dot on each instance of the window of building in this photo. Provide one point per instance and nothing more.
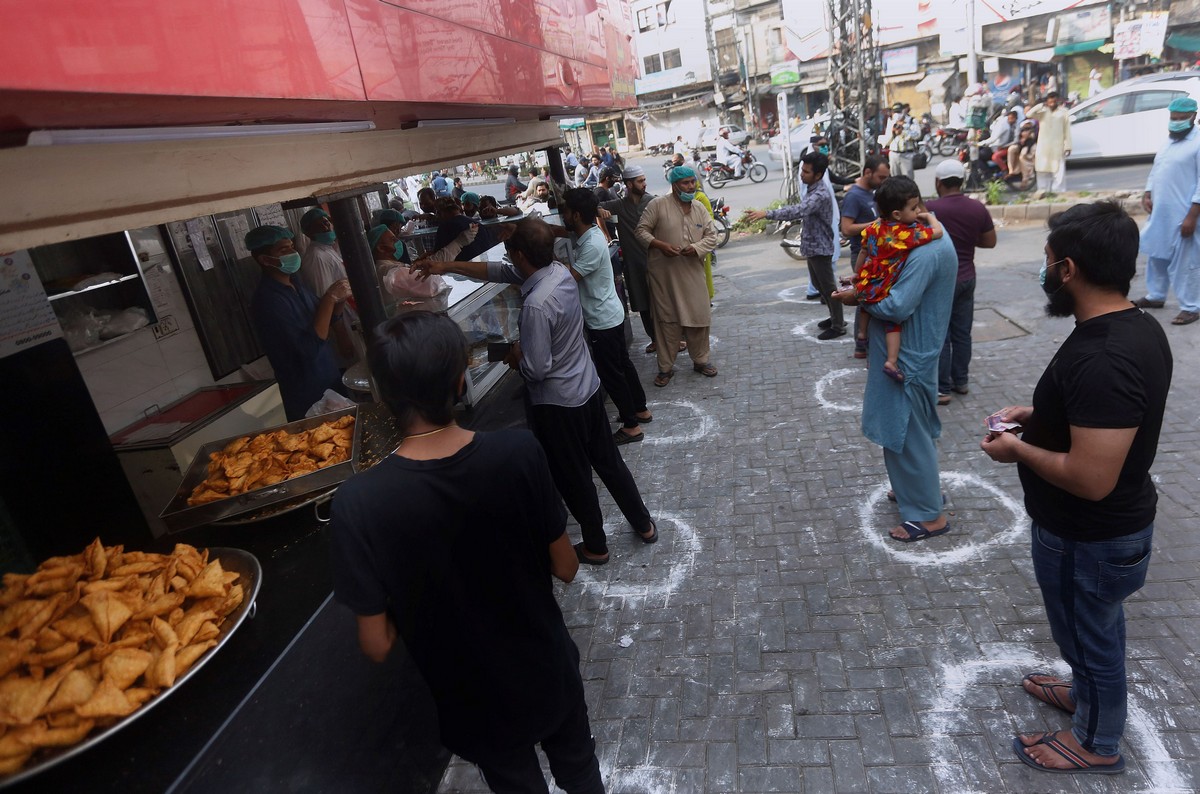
(646, 20)
(775, 37)
(671, 59)
(652, 63)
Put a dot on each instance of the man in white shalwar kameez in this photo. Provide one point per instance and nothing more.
(1172, 198)
(1054, 143)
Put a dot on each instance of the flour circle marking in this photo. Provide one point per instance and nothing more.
(827, 380)
(878, 536)
(702, 426)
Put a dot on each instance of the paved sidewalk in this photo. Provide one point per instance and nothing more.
(775, 640)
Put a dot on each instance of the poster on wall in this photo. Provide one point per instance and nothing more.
(26, 317)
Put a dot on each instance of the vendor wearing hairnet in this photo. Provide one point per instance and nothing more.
(292, 323)
(322, 265)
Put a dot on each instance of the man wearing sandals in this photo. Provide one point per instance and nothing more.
(677, 232)
(564, 404)
(1084, 458)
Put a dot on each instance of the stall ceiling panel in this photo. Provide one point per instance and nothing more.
(248, 48)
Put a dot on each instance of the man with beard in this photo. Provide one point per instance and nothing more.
(1084, 460)
(1172, 198)
(677, 232)
(633, 252)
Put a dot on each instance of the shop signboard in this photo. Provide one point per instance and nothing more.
(1137, 37)
(1090, 24)
(786, 73)
(902, 60)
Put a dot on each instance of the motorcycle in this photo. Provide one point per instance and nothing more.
(948, 139)
(981, 170)
(721, 221)
(791, 230)
(720, 174)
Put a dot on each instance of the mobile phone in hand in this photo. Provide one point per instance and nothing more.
(498, 350)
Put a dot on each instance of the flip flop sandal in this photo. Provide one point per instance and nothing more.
(1048, 695)
(586, 559)
(639, 419)
(707, 370)
(621, 437)
(917, 531)
(663, 378)
(653, 537)
(1078, 765)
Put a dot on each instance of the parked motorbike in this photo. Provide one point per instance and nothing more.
(720, 174)
(981, 170)
(721, 221)
(790, 230)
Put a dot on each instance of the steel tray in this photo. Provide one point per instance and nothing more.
(249, 573)
(178, 515)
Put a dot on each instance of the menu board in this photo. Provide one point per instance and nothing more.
(26, 317)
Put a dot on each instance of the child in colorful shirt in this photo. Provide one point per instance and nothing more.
(902, 226)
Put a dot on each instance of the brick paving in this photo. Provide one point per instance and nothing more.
(774, 640)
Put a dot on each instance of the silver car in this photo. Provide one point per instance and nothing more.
(1130, 119)
(800, 137)
(737, 136)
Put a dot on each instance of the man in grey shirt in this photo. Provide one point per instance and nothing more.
(564, 407)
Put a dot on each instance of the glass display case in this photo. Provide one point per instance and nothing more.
(485, 313)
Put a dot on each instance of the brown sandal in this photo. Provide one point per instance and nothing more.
(707, 370)
(663, 378)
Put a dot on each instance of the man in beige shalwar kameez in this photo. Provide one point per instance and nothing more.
(678, 232)
(1053, 143)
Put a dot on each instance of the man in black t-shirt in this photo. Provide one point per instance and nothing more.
(449, 543)
(1084, 459)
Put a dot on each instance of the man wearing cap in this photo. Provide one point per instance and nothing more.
(470, 203)
(292, 323)
(321, 266)
(677, 232)
(633, 251)
(1054, 143)
(1172, 198)
(970, 226)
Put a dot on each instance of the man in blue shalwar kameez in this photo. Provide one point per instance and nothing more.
(902, 417)
(1172, 198)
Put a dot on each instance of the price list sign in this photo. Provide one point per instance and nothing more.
(26, 317)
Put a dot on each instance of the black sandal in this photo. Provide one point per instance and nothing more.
(652, 537)
(585, 558)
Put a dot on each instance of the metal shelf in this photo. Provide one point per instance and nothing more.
(121, 280)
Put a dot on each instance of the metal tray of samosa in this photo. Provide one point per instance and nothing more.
(249, 572)
(178, 515)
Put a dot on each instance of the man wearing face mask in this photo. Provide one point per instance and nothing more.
(321, 266)
(292, 323)
(1084, 459)
(677, 232)
(1172, 198)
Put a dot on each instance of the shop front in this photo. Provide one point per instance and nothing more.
(127, 346)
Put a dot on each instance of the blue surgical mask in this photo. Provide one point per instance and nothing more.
(823, 149)
(686, 197)
(1179, 126)
(289, 263)
(399, 252)
(1046, 265)
(329, 237)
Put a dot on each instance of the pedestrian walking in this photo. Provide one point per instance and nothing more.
(1172, 198)
(1084, 459)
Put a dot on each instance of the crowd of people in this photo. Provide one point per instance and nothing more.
(415, 549)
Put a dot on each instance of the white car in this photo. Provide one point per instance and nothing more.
(800, 136)
(1130, 119)
(737, 136)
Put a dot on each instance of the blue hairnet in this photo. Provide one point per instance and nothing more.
(266, 236)
(375, 233)
(312, 215)
(1182, 105)
(469, 198)
(680, 172)
(390, 216)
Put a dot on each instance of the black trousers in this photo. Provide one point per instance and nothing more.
(571, 751)
(617, 374)
(576, 441)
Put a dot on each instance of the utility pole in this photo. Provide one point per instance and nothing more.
(855, 85)
(972, 55)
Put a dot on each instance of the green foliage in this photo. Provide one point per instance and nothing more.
(994, 190)
(755, 227)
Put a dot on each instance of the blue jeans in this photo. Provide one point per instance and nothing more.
(1084, 585)
(955, 362)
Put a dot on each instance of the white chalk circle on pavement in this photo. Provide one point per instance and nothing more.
(1004, 665)
(826, 381)
(694, 424)
(625, 550)
(946, 549)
